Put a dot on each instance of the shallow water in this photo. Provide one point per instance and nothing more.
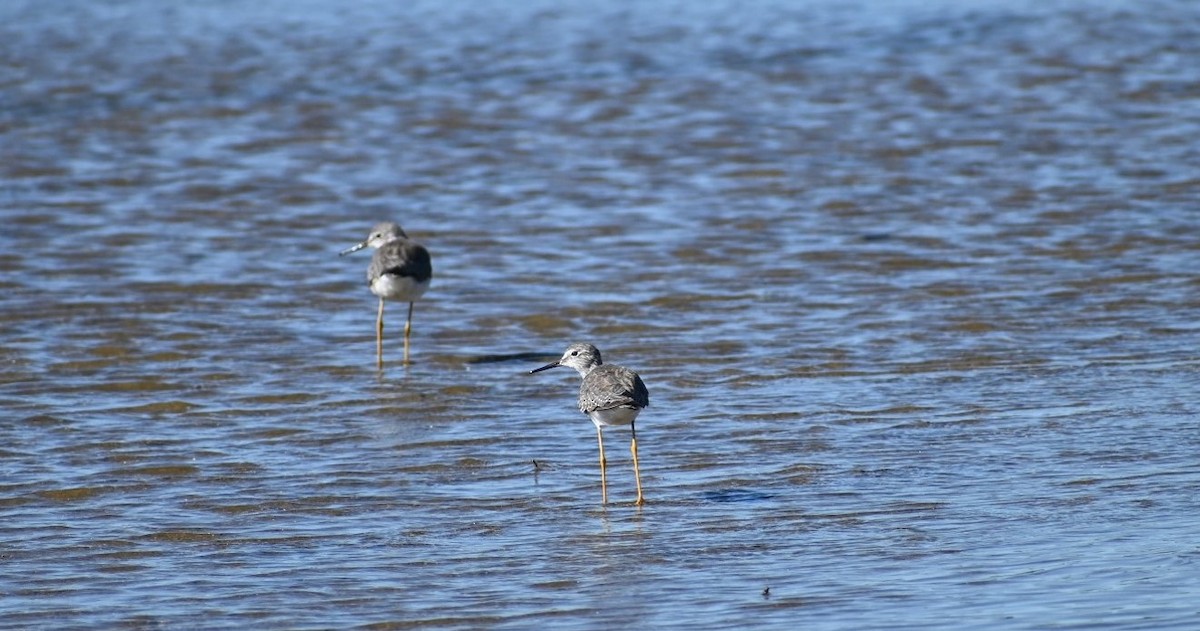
(913, 287)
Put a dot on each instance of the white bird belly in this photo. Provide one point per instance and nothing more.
(614, 416)
(402, 288)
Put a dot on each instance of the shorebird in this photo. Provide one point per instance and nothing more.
(609, 395)
(400, 270)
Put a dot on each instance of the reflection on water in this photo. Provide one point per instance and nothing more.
(913, 287)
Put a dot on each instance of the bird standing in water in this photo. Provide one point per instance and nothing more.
(609, 395)
(400, 270)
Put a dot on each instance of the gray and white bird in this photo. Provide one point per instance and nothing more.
(609, 395)
(400, 270)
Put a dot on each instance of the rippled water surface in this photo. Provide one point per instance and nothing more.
(913, 286)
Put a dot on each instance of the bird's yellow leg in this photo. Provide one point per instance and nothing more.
(379, 336)
(407, 331)
(603, 465)
(637, 474)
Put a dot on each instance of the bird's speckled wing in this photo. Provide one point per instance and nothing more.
(609, 386)
(401, 258)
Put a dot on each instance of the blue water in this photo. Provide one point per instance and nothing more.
(912, 286)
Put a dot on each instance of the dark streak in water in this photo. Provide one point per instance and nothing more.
(496, 358)
(736, 495)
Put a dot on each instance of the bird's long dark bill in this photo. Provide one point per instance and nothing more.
(546, 367)
(353, 249)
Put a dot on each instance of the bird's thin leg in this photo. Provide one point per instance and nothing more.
(407, 331)
(379, 337)
(603, 465)
(637, 474)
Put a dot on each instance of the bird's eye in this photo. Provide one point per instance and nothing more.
(574, 353)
